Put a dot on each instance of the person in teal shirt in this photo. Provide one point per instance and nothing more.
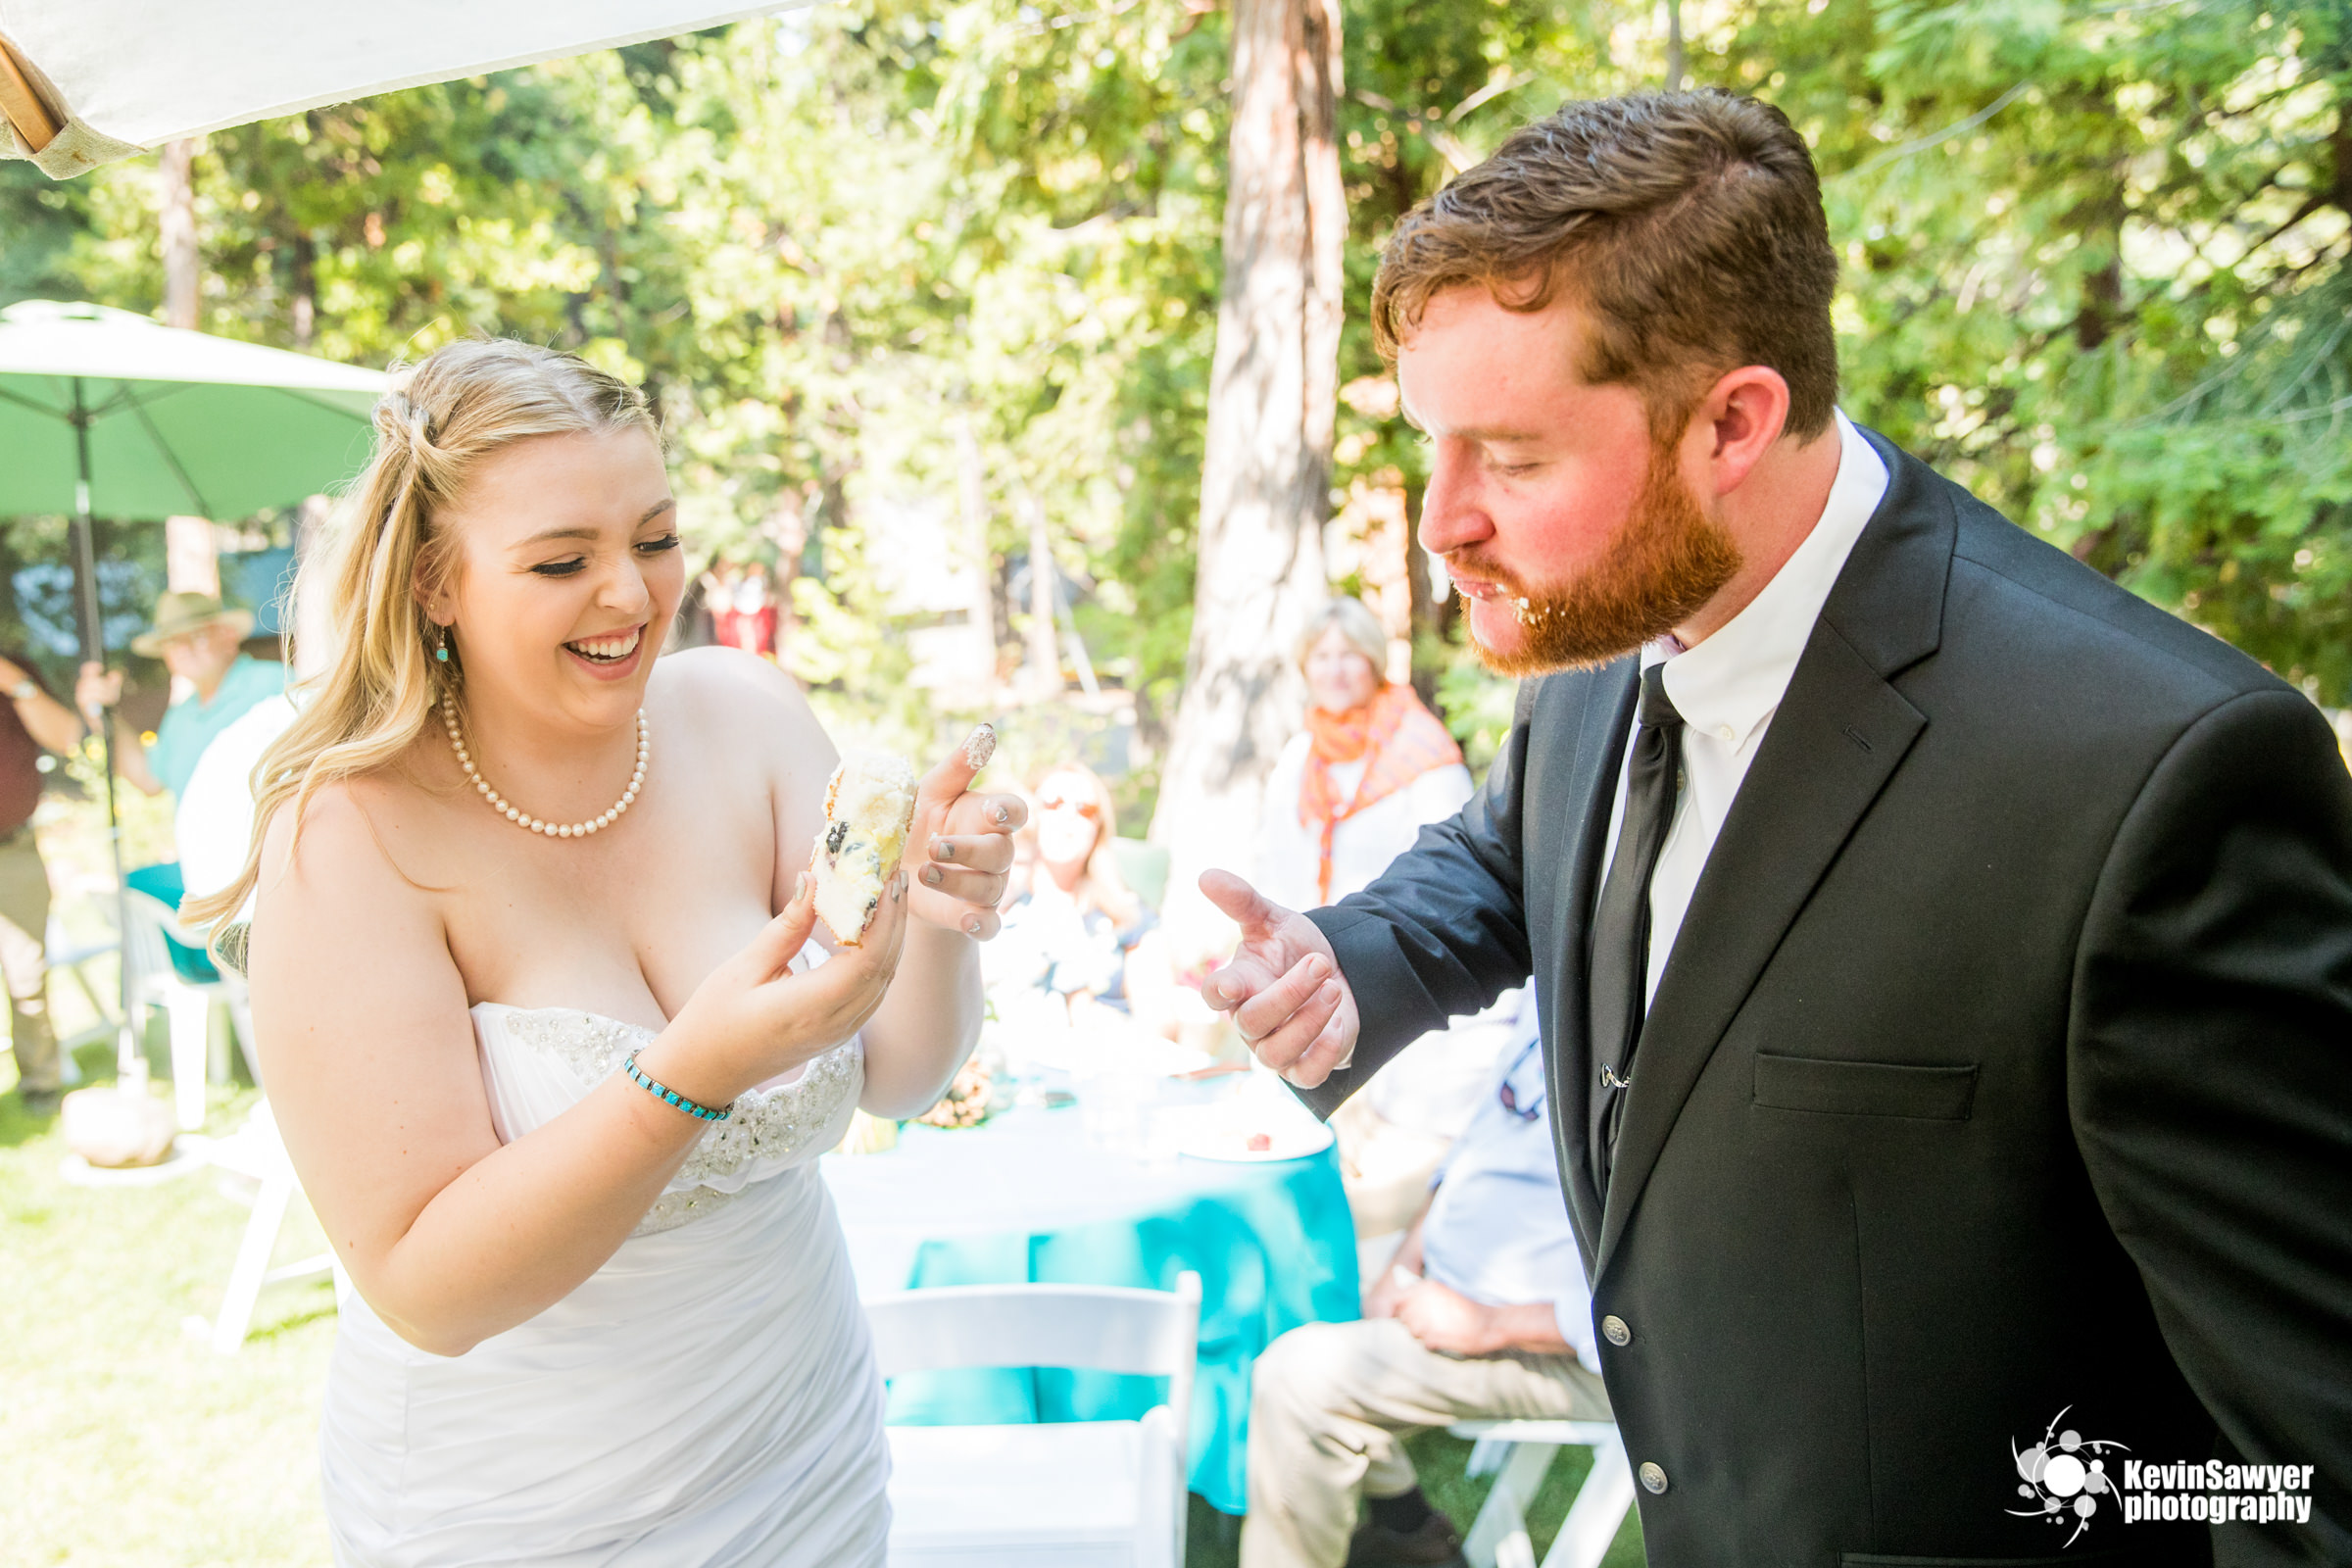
(201, 641)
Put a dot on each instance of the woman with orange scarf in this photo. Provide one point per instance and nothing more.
(1353, 790)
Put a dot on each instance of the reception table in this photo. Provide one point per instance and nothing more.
(1029, 1197)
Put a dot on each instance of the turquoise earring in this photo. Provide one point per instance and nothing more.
(441, 644)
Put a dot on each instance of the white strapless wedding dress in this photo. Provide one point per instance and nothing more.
(706, 1397)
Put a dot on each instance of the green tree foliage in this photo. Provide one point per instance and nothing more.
(40, 224)
(2094, 271)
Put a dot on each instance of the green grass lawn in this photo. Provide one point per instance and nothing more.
(128, 1440)
(129, 1443)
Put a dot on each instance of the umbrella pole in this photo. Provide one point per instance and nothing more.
(130, 1063)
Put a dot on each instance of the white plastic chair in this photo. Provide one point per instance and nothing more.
(1523, 1452)
(1073, 1495)
(187, 1003)
(72, 960)
(257, 1151)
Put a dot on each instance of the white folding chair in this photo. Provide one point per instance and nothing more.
(256, 1152)
(187, 1003)
(1074, 1495)
(1522, 1451)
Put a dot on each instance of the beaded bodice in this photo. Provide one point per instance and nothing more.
(768, 1130)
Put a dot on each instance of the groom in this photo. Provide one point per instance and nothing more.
(1946, 958)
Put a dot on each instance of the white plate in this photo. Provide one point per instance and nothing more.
(1289, 1141)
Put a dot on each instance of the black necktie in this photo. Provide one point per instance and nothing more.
(1617, 995)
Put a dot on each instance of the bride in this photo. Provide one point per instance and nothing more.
(510, 871)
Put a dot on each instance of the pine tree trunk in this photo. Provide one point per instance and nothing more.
(191, 558)
(1265, 483)
(177, 221)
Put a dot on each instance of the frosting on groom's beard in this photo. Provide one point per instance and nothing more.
(1666, 563)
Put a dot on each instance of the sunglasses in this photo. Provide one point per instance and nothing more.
(1064, 802)
(1511, 1096)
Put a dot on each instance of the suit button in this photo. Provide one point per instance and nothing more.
(1653, 1478)
(1613, 1330)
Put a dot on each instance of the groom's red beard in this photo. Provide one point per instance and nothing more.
(1667, 561)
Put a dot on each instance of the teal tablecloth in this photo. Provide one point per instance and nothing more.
(1024, 1199)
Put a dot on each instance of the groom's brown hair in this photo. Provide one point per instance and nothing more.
(1688, 224)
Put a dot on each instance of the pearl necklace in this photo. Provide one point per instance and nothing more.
(523, 819)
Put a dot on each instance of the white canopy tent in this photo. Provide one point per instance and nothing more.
(91, 82)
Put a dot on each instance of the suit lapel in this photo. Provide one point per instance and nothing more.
(1570, 832)
(1839, 734)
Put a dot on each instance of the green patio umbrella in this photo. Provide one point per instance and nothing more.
(178, 424)
(108, 414)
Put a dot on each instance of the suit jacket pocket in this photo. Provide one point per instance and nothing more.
(1865, 1088)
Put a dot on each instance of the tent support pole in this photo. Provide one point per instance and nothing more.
(20, 104)
(128, 1062)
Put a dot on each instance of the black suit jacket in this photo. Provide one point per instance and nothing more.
(2001, 1070)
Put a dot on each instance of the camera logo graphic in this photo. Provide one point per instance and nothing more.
(2064, 1476)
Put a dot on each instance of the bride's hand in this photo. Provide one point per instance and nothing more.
(751, 1018)
(961, 845)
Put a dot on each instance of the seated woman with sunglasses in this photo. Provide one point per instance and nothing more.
(1483, 1313)
(1075, 936)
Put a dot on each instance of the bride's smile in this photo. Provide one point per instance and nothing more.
(613, 655)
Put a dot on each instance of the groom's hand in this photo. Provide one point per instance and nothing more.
(1283, 987)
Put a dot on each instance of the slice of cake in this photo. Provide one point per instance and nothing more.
(868, 805)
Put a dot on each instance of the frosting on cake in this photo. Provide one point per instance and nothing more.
(868, 805)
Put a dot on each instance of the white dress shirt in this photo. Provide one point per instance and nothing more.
(213, 823)
(1728, 688)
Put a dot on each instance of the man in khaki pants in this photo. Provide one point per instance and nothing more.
(1483, 1313)
(31, 721)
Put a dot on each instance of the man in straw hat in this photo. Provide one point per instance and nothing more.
(200, 641)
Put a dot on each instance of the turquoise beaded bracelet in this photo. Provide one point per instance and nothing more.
(670, 1097)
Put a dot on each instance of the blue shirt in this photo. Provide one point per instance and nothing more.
(1497, 1230)
(190, 724)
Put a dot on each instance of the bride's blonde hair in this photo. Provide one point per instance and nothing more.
(387, 555)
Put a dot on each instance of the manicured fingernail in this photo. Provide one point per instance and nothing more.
(980, 747)
(933, 876)
(971, 927)
(1315, 967)
(1003, 814)
(799, 887)
(898, 887)
(941, 850)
